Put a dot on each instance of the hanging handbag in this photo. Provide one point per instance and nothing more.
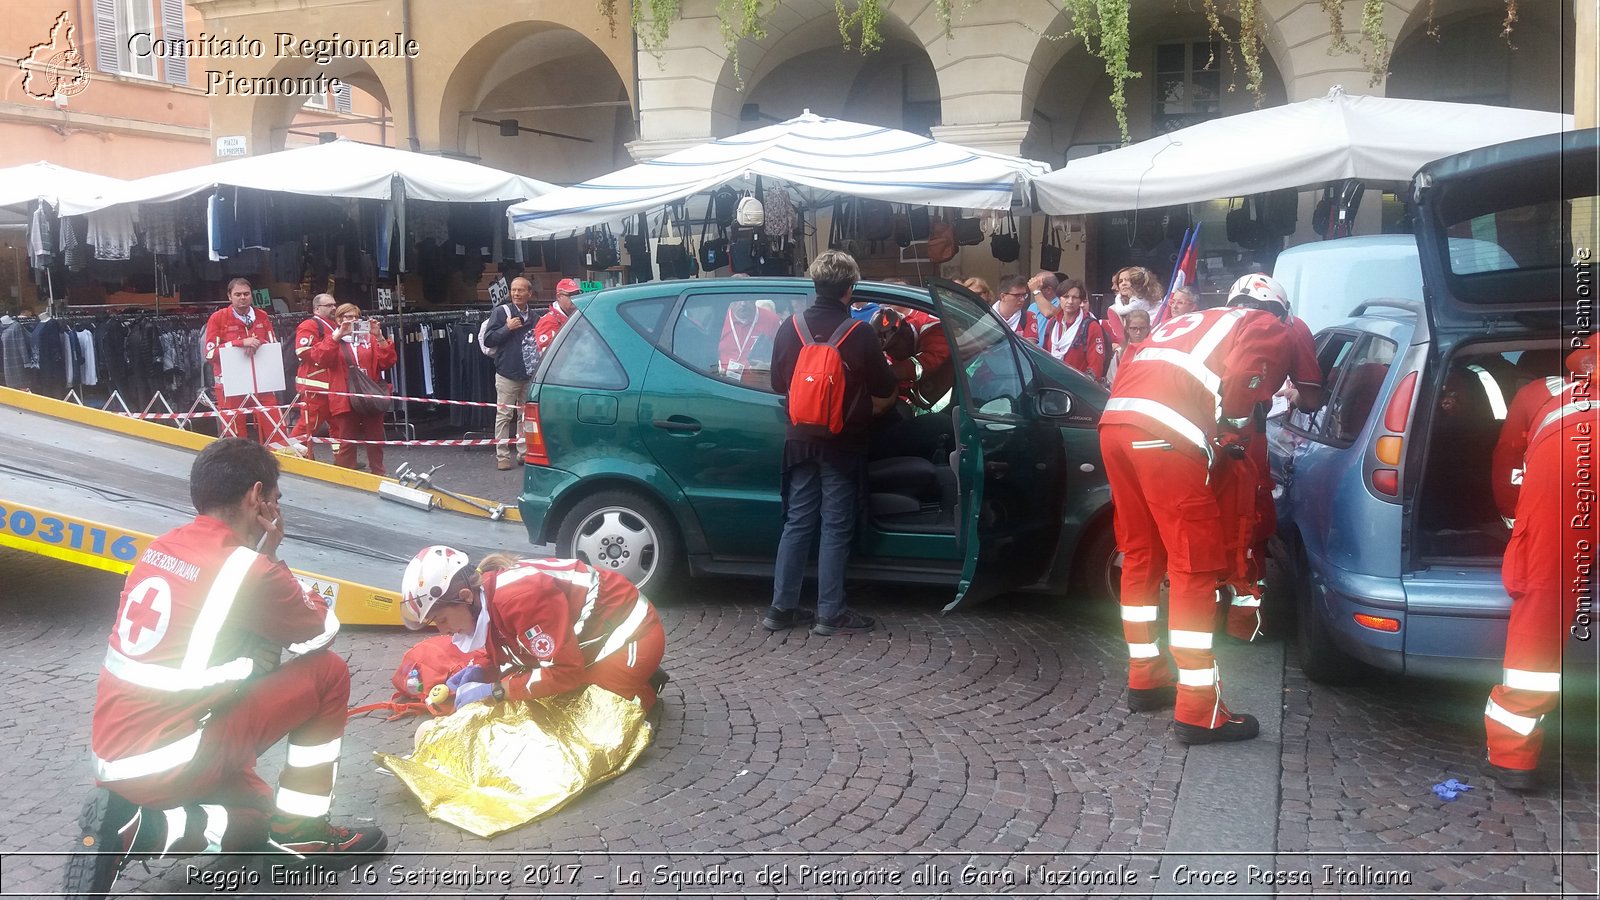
(1050, 248)
(1003, 244)
(713, 251)
(749, 213)
(676, 258)
(638, 247)
(918, 216)
(877, 220)
(968, 230)
(941, 242)
(375, 399)
(603, 254)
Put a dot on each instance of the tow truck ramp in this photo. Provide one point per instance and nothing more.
(95, 488)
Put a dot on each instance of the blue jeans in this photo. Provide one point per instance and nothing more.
(813, 492)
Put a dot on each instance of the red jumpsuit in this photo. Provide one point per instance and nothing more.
(933, 353)
(191, 691)
(1026, 324)
(1086, 351)
(312, 383)
(1512, 444)
(741, 342)
(225, 329)
(548, 326)
(556, 625)
(1548, 573)
(375, 358)
(1157, 437)
(1244, 493)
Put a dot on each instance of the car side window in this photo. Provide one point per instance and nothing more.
(648, 317)
(1332, 348)
(729, 337)
(1357, 392)
(584, 361)
(985, 350)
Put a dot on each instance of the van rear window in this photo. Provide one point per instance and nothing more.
(1524, 237)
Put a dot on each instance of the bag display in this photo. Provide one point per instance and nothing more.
(941, 244)
(713, 251)
(876, 220)
(638, 247)
(749, 213)
(357, 381)
(968, 231)
(724, 205)
(1003, 243)
(1050, 248)
(602, 248)
(816, 393)
(675, 259)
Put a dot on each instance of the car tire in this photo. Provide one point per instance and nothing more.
(1097, 577)
(1320, 658)
(626, 532)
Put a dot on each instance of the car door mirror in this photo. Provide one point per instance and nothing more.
(1054, 403)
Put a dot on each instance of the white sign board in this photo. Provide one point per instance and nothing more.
(231, 145)
(258, 373)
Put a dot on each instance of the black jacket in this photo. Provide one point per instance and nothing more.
(507, 343)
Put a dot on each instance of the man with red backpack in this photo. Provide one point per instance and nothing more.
(832, 371)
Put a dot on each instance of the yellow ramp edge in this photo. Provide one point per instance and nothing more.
(177, 437)
(111, 549)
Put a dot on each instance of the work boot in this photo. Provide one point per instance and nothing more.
(1238, 727)
(780, 619)
(659, 679)
(1152, 699)
(317, 837)
(503, 465)
(106, 828)
(1519, 780)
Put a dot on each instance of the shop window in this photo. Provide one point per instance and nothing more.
(1188, 84)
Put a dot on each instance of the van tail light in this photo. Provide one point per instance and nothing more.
(1378, 623)
(1390, 448)
(535, 454)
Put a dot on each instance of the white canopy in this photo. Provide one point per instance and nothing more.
(45, 181)
(830, 155)
(341, 168)
(1291, 146)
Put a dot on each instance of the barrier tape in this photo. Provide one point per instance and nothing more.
(399, 399)
(485, 442)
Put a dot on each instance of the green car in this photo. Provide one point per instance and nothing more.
(654, 441)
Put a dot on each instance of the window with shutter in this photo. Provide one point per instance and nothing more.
(175, 68)
(341, 98)
(116, 22)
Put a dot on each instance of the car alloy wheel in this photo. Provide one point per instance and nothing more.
(623, 532)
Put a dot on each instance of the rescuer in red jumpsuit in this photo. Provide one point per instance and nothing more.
(1512, 444)
(241, 325)
(191, 691)
(1158, 437)
(1244, 490)
(1548, 571)
(312, 378)
(550, 626)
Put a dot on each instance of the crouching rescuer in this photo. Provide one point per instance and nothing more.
(549, 626)
(193, 688)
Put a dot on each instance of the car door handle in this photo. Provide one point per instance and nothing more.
(677, 423)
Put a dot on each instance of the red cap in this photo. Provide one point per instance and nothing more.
(569, 286)
(1581, 361)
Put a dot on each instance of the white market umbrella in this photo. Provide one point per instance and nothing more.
(1296, 145)
(832, 156)
(341, 168)
(21, 185)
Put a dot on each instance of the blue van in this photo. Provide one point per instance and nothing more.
(1387, 528)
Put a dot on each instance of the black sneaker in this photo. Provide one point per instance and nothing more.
(779, 619)
(319, 837)
(105, 828)
(1519, 780)
(659, 679)
(847, 622)
(1152, 699)
(1239, 727)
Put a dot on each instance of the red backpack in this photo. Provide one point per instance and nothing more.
(816, 392)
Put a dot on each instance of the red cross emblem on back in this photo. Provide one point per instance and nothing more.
(145, 615)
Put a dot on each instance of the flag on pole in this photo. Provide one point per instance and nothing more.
(1183, 273)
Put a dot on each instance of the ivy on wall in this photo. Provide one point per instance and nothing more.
(1104, 27)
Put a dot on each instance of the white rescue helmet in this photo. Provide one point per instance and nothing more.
(1259, 291)
(427, 581)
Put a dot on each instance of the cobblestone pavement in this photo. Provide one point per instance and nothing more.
(991, 744)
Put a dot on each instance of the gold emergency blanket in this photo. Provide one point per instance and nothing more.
(494, 766)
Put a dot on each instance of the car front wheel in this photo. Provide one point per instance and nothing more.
(626, 532)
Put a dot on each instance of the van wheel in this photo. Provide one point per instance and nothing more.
(1097, 576)
(1320, 658)
(627, 533)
